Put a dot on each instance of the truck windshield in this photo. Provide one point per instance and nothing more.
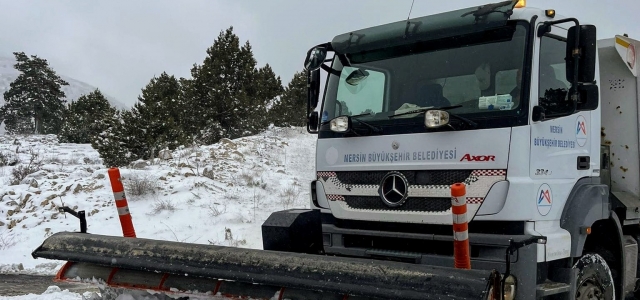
(481, 73)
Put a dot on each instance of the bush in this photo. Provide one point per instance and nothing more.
(21, 172)
(8, 159)
(7, 240)
(289, 196)
(216, 209)
(140, 186)
(162, 205)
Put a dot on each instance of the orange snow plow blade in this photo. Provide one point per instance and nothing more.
(171, 267)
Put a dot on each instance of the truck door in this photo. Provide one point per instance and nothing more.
(560, 145)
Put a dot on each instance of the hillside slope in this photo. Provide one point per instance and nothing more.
(218, 194)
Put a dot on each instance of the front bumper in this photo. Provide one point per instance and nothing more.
(488, 251)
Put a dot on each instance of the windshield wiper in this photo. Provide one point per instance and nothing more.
(419, 110)
(360, 115)
(465, 120)
(373, 128)
(487, 9)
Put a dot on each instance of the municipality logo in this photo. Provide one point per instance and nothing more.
(581, 131)
(544, 200)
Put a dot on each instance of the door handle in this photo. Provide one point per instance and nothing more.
(584, 162)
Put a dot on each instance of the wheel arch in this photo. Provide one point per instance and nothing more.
(587, 203)
(606, 240)
(588, 208)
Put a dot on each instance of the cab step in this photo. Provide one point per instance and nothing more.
(551, 288)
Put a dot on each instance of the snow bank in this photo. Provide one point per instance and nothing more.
(52, 293)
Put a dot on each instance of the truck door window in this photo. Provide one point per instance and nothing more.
(553, 88)
(367, 96)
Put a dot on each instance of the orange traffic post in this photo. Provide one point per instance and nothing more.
(461, 255)
(121, 203)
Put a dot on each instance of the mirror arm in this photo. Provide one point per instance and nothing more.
(547, 25)
(343, 60)
(330, 70)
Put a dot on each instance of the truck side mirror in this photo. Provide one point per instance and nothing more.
(313, 88)
(313, 92)
(588, 97)
(312, 122)
(315, 58)
(587, 48)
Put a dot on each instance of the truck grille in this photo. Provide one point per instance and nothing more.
(432, 177)
(427, 191)
(411, 204)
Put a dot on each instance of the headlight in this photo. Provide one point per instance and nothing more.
(436, 118)
(340, 124)
(510, 284)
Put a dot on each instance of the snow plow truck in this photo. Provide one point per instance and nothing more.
(528, 111)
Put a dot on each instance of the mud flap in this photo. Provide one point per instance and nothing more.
(174, 267)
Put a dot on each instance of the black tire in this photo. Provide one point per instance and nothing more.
(594, 278)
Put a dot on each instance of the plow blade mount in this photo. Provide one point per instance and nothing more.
(136, 263)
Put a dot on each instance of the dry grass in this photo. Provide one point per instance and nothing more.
(7, 240)
(216, 209)
(137, 185)
(20, 172)
(289, 196)
(163, 205)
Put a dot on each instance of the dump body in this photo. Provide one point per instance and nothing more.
(620, 110)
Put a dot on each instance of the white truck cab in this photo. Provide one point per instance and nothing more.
(537, 118)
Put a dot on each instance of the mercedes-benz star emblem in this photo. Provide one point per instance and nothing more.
(395, 145)
(394, 189)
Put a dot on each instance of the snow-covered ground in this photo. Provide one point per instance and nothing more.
(52, 293)
(201, 195)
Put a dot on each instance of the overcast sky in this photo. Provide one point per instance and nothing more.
(119, 45)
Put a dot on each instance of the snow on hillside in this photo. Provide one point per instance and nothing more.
(73, 91)
(217, 194)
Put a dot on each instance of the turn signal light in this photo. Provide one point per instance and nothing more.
(550, 13)
(585, 230)
(521, 3)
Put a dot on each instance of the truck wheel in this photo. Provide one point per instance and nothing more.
(594, 278)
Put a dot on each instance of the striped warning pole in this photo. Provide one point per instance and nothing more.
(461, 256)
(121, 203)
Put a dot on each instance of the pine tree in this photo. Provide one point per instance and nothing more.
(35, 101)
(159, 114)
(84, 116)
(187, 110)
(132, 138)
(291, 108)
(109, 143)
(119, 144)
(269, 88)
(224, 91)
